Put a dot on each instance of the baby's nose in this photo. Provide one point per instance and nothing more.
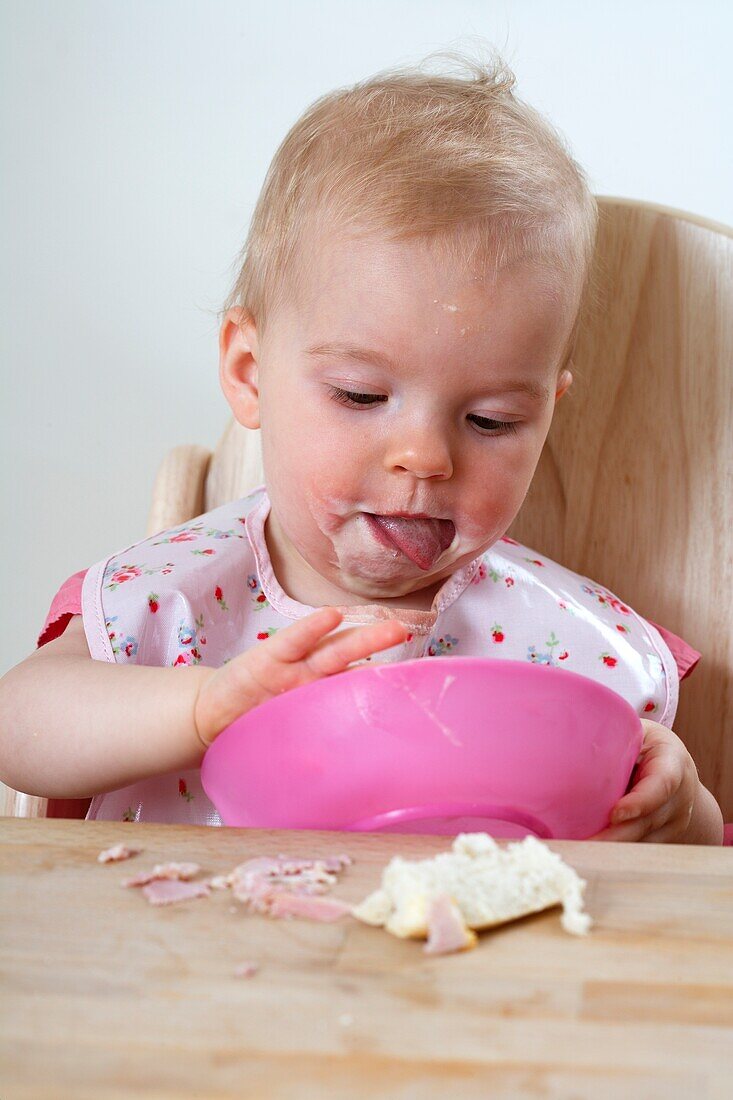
(422, 453)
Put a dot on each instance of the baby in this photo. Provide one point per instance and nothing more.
(401, 330)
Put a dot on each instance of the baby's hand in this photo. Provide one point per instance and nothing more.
(659, 807)
(294, 656)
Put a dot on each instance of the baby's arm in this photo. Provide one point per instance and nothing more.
(71, 727)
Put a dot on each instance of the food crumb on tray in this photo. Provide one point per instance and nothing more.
(246, 970)
(117, 852)
(444, 900)
(284, 887)
(169, 891)
(184, 872)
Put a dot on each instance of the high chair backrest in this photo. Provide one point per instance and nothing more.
(634, 488)
(635, 485)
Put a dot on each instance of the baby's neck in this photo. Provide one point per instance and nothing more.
(308, 587)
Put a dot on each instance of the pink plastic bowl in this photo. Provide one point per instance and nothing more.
(445, 745)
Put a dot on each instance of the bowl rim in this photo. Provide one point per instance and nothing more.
(393, 668)
(495, 662)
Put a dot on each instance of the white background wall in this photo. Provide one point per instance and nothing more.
(135, 137)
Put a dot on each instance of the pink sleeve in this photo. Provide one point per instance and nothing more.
(685, 656)
(66, 602)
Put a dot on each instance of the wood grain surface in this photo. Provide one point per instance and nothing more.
(103, 996)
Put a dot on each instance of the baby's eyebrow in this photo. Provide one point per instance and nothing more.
(535, 390)
(348, 351)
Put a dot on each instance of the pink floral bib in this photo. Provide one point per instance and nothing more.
(206, 591)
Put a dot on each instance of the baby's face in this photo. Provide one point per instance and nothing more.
(403, 409)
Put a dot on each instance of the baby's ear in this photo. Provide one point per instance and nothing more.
(238, 370)
(564, 383)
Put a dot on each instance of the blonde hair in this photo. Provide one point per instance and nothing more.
(455, 158)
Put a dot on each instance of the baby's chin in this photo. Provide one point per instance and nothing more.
(387, 578)
(368, 589)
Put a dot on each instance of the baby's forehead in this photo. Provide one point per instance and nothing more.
(361, 268)
(397, 323)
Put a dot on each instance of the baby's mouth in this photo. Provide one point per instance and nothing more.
(422, 539)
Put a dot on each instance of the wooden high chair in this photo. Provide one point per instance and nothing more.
(635, 484)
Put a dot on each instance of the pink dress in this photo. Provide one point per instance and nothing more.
(205, 591)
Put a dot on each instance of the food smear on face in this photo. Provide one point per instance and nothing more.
(420, 540)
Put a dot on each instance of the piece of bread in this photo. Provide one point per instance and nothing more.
(485, 883)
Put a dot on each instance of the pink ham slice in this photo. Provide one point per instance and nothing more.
(278, 887)
(447, 930)
(289, 887)
(181, 871)
(169, 891)
(295, 905)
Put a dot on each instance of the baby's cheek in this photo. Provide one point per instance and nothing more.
(480, 522)
(331, 486)
(297, 465)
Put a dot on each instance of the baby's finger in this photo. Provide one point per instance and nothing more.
(300, 638)
(294, 656)
(652, 791)
(630, 832)
(639, 828)
(670, 823)
(671, 831)
(337, 652)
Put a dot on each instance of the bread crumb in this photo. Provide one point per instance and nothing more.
(476, 885)
(117, 852)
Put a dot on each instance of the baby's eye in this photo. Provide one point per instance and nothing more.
(351, 398)
(348, 397)
(497, 427)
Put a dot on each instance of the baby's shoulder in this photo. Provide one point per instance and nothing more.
(182, 595)
(225, 521)
(187, 548)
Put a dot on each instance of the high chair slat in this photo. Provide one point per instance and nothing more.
(16, 804)
(178, 493)
(236, 466)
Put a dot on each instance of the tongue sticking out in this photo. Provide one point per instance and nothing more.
(421, 540)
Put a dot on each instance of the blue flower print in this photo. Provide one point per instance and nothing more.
(544, 658)
(258, 596)
(539, 658)
(438, 647)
